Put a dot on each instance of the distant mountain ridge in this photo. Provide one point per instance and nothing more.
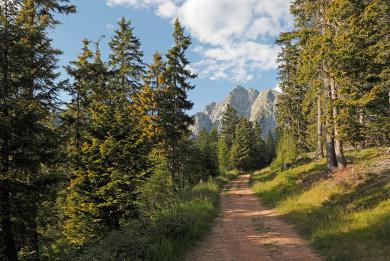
(249, 103)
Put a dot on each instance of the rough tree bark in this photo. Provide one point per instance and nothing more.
(329, 128)
(341, 162)
(320, 146)
(329, 132)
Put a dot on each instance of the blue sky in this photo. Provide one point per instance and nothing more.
(233, 40)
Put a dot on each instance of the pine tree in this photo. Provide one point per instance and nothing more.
(213, 146)
(316, 43)
(207, 145)
(28, 96)
(290, 113)
(290, 103)
(112, 157)
(223, 155)
(286, 150)
(79, 223)
(357, 40)
(175, 121)
(270, 145)
(150, 100)
(229, 122)
(126, 59)
(260, 151)
(243, 148)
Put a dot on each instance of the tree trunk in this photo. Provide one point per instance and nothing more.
(341, 162)
(362, 142)
(329, 130)
(6, 224)
(320, 147)
(33, 226)
(330, 146)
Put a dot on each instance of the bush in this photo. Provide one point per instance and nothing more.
(286, 151)
(158, 190)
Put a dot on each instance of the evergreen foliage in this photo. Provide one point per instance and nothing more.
(243, 146)
(240, 144)
(114, 152)
(28, 144)
(119, 157)
(331, 73)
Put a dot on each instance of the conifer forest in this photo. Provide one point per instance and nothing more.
(114, 172)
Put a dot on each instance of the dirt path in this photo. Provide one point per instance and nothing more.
(245, 230)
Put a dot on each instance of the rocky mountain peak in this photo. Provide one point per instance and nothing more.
(249, 103)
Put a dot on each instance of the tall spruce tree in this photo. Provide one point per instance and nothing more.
(175, 121)
(28, 96)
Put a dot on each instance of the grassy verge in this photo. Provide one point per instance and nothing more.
(344, 216)
(168, 233)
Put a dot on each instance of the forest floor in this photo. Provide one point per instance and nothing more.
(246, 230)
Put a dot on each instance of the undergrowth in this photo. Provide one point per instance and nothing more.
(167, 233)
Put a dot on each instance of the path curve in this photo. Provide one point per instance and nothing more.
(245, 230)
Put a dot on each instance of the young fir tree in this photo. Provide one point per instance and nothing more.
(28, 94)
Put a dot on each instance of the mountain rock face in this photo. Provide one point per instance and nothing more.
(249, 103)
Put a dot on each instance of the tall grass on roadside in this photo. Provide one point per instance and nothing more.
(345, 216)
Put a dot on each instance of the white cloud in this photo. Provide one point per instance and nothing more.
(167, 9)
(110, 27)
(240, 61)
(235, 34)
(277, 88)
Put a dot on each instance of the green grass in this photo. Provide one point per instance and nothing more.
(345, 216)
(168, 233)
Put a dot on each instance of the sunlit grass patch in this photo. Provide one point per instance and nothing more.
(344, 216)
